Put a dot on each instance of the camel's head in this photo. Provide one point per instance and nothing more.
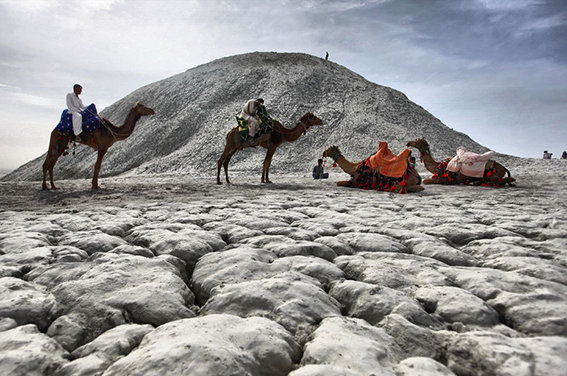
(332, 152)
(420, 144)
(309, 119)
(143, 110)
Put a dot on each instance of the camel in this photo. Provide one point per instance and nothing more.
(269, 141)
(100, 140)
(363, 177)
(494, 173)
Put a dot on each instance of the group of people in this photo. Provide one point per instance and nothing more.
(249, 113)
(547, 155)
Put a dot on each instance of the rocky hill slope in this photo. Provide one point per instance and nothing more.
(195, 110)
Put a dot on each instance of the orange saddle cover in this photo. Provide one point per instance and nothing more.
(388, 163)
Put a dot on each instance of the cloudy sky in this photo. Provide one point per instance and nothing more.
(493, 69)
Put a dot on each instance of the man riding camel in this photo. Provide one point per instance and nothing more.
(248, 113)
(75, 106)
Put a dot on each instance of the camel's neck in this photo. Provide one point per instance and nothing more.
(428, 161)
(347, 166)
(292, 134)
(124, 131)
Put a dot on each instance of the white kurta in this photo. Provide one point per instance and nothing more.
(75, 106)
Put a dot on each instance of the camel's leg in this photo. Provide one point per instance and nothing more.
(414, 188)
(413, 184)
(48, 167)
(233, 142)
(223, 162)
(51, 165)
(502, 172)
(219, 165)
(266, 164)
(98, 164)
(51, 159)
(430, 181)
(344, 183)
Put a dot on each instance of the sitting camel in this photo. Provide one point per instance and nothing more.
(494, 173)
(371, 174)
(100, 139)
(269, 141)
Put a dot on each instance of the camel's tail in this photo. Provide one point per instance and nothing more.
(508, 172)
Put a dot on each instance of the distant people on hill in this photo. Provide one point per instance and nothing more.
(547, 155)
(318, 171)
(564, 155)
(327, 56)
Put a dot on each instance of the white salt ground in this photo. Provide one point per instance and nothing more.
(177, 275)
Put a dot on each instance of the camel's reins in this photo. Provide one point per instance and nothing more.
(105, 125)
(113, 133)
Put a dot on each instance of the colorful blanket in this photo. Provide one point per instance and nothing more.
(90, 120)
(388, 163)
(264, 122)
(469, 163)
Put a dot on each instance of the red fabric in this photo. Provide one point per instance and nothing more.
(388, 163)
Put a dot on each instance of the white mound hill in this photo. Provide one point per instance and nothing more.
(195, 110)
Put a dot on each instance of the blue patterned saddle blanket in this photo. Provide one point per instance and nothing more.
(90, 120)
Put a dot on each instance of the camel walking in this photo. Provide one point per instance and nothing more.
(494, 172)
(363, 177)
(100, 139)
(269, 141)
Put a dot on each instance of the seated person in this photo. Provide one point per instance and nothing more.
(547, 155)
(411, 162)
(318, 171)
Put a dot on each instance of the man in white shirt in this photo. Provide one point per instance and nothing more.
(249, 114)
(75, 106)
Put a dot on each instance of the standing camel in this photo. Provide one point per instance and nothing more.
(100, 140)
(269, 141)
(364, 177)
(494, 173)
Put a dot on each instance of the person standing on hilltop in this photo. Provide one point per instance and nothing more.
(564, 155)
(75, 106)
(249, 114)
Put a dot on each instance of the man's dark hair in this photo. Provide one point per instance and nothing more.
(320, 161)
(260, 100)
(76, 86)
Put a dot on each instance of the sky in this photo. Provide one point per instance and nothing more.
(493, 69)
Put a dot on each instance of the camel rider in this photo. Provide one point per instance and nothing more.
(75, 106)
(249, 114)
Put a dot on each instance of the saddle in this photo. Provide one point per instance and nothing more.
(469, 163)
(388, 163)
(264, 121)
(90, 120)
